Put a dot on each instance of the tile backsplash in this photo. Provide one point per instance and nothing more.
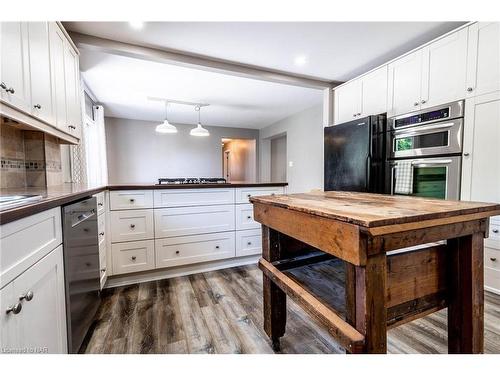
(28, 158)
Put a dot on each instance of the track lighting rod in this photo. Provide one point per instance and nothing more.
(172, 101)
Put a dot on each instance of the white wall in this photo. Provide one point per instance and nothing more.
(304, 137)
(137, 154)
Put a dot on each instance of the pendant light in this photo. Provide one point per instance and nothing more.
(199, 131)
(166, 127)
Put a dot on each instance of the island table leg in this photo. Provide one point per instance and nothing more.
(466, 295)
(274, 297)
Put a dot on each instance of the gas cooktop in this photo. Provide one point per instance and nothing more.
(191, 180)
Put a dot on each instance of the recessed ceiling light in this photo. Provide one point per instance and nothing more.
(136, 24)
(300, 60)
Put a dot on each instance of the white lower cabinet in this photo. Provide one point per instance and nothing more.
(183, 221)
(133, 256)
(33, 308)
(248, 242)
(131, 225)
(492, 269)
(243, 194)
(178, 251)
(244, 217)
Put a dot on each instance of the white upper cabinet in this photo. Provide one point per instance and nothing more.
(364, 96)
(57, 48)
(405, 77)
(483, 59)
(41, 86)
(444, 70)
(481, 160)
(14, 69)
(72, 80)
(374, 92)
(347, 102)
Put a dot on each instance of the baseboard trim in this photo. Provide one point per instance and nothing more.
(189, 269)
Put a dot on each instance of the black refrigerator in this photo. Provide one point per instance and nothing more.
(355, 155)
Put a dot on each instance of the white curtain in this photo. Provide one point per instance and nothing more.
(94, 137)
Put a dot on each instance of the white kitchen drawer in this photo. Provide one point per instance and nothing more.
(243, 194)
(244, 217)
(177, 251)
(248, 242)
(131, 225)
(101, 230)
(26, 241)
(101, 207)
(193, 197)
(492, 279)
(133, 256)
(494, 231)
(183, 221)
(131, 199)
(492, 258)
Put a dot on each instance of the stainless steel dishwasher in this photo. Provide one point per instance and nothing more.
(81, 269)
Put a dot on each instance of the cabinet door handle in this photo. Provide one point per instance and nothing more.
(101, 234)
(249, 217)
(177, 252)
(14, 309)
(217, 246)
(28, 296)
(470, 89)
(3, 86)
(494, 230)
(358, 114)
(493, 259)
(132, 226)
(423, 101)
(100, 204)
(249, 195)
(103, 269)
(11, 90)
(466, 154)
(249, 243)
(37, 106)
(134, 258)
(132, 200)
(71, 127)
(416, 103)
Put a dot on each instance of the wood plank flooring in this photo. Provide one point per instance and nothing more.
(221, 312)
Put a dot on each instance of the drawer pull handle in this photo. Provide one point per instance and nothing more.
(11, 90)
(132, 200)
(132, 226)
(217, 246)
(177, 252)
(249, 195)
(71, 127)
(28, 296)
(134, 258)
(249, 243)
(100, 204)
(103, 270)
(14, 309)
(249, 217)
(37, 106)
(101, 234)
(493, 259)
(495, 230)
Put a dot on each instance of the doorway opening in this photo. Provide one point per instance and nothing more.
(278, 158)
(239, 159)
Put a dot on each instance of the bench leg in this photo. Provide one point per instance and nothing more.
(274, 312)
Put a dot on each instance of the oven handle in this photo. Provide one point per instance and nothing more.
(422, 129)
(424, 162)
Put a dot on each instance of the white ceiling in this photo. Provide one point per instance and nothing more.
(334, 50)
(124, 84)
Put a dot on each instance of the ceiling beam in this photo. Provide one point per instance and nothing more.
(194, 61)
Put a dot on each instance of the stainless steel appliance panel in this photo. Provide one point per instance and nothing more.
(81, 268)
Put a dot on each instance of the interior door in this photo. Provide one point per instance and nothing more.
(483, 59)
(347, 102)
(444, 70)
(14, 69)
(41, 98)
(42, 324)
(405, 76)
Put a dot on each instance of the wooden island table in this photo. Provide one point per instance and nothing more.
(383, 287)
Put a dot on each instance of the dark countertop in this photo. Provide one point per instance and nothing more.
(59, 195)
